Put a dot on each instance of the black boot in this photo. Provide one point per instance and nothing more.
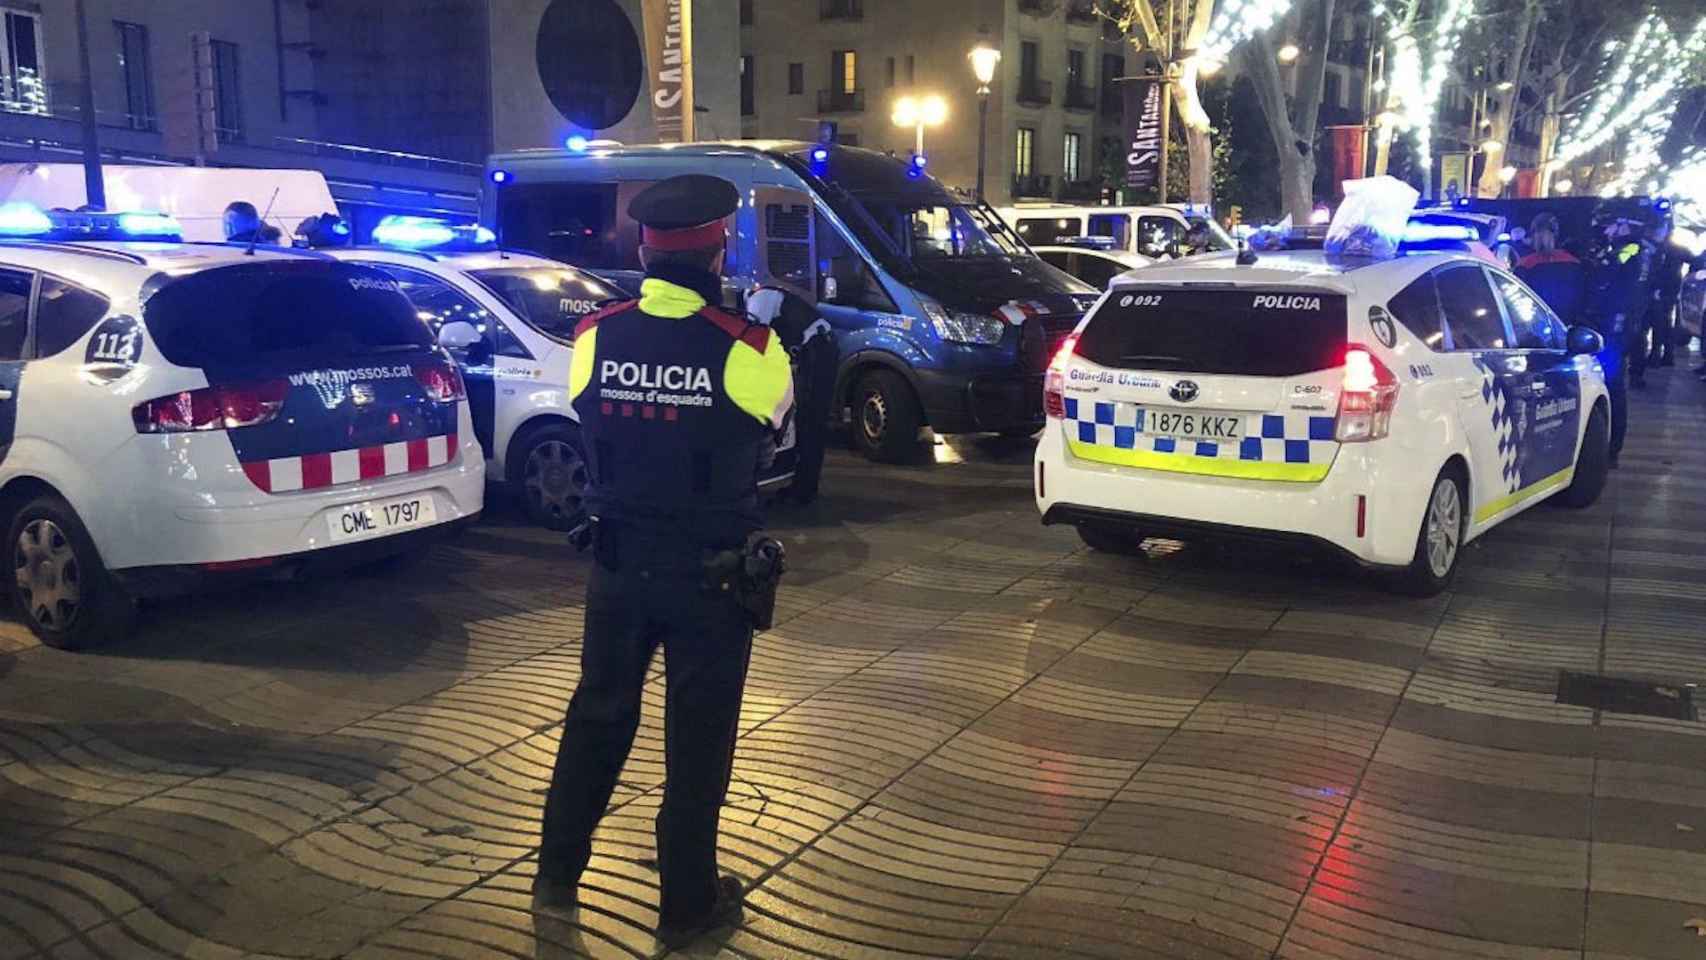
(676, 934)
(551, 893)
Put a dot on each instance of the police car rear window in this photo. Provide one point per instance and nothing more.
(242, 314)
(1243, 332)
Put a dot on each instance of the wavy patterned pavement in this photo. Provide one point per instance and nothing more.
(965, 737)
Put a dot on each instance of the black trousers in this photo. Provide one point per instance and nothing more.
(640, 597)
(1617, 386)
(1664, 328)
(812, 403)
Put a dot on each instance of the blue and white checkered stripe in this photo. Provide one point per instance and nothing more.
(1502, 416)
(1268, 437)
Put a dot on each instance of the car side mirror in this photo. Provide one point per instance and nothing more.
(1585, 340)
(830, 290)
(458, 335)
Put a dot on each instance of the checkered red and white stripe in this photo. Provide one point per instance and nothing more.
(314, 470)
(1018, 311)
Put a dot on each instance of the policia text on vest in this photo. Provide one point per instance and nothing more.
(679, 404)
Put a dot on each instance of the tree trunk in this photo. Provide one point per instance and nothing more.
(1297, 185)
(1507, 101)
(1199, 135)
(1293, 131)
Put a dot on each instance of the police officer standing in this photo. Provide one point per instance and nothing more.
(811, 343)
(1616, 288)
(679, 403)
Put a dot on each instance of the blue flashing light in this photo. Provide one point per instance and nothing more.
(577, 143)
(1463, 201)
(341, 227)
(1505, 237)
(483, 236)
(500, 176)
(1431, 232)
(915, 167)
(820, 155)
(23, 220)
(149, 225)
(1662, 205)
(425, 233)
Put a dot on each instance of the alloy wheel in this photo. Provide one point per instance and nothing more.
(555, 478)
(1445, 527)
(50, 580)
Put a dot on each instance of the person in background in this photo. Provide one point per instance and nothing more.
(242, 222)
(1614, 292)
(1554, 273)
(1670, 262)
(811, 343)
(1641, 313)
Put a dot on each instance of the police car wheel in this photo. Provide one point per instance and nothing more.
(1111, 539)
(553, 476)
(59, 584)
(1592, 464)
(1439, 543)
(886, 417)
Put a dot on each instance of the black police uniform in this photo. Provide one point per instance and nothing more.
(1669, 264)
(811, 343)
(678, 401)
(1614, 291)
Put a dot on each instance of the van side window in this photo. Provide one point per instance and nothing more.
(64, 314)
(857, 286)
(1116, 225)
(1471, 312)
(576, 223)
(788, 242)
(1157, 236)
(1417, 308)
(14, 313)
(1535, 325)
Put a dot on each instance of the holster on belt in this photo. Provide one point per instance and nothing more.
(752, 573)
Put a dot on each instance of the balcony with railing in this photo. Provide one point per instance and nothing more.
(1035, 92)
(1038, 8)
(840, 101)
(1081, 11)
(841, 9)
(1081, 191)
(1079, 96)
(1033, 185)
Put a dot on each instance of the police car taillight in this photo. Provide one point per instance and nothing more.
(1054, 382)
(441, 381)
(1366, 397)
(224, 407)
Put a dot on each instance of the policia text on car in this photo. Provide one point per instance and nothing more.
(673, 488)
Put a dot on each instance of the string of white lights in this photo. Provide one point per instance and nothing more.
(1638, 78)
(1447, 37)
(1237, 21)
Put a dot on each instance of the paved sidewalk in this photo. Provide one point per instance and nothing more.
(966, 736)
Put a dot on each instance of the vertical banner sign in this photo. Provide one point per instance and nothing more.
(669, 61)
(1454, 175)
(1527, 183)
(1143, 129)
(1348, 154)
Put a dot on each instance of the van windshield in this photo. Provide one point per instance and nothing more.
(926, 231)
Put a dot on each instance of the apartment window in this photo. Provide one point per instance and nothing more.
(1070, 169)
(134, 66)
(1027, 60)
(889, 72)
(22, 87)
(911, 73)
(1075, 76)
(746, 13)
(1025, 153)
(746, 87)
(1331, 93)
(227, 92)
(844, 68)
(796, 78)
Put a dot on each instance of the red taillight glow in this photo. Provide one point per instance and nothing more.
(441, 381)
(1054, 381)
(222, 407)
(1367, 396)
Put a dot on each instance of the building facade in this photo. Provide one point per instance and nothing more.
(1054, 107)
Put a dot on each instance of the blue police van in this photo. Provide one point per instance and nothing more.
(944, 318)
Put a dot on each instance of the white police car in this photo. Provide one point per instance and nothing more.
(172, 410)
(508, 318)
(1394, 409)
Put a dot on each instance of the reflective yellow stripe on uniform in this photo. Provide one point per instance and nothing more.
(1202, 466)
(762, 384)
(660, 298)
(581, 361)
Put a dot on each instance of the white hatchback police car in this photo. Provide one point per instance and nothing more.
(1393, 409)
(508, 318)
(170, 411)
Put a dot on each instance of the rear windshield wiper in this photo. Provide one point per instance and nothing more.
(1152, 357)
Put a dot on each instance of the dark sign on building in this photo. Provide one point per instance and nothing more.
(1143, 127)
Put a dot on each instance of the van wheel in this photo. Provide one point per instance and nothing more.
(1439, 543)
(551, 475)
(1592, 464)
(886, 417)
(1104, 538)
(59, 585)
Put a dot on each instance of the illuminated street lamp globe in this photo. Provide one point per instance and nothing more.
(1288, 53)
(932, 111)
(984, 60)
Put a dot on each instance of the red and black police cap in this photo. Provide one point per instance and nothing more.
(685, 212)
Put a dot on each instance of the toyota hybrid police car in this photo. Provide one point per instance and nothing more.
(170, 410)
(1394, 409)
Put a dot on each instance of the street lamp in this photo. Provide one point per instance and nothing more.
(1492, 146)
(918, 113)
(1288, 53)
(1507, 173)
(984, 60)
(1564, 186)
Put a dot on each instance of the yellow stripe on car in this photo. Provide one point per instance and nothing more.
(1202, 466)
(1560, 479)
